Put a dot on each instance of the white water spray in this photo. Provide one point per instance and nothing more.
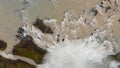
(73, 52)
(79, 54)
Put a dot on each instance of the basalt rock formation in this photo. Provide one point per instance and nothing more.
(7, 63)
(20, 33)
(3, 45)
(27, 48)
(44, 28)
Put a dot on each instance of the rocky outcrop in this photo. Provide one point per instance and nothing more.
(7, 63)
(29, 49)
(44, 28)
(20, 33)
(116, 57)
(3, 45)
(94, 11)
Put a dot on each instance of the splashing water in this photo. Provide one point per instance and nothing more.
(73, 52)
(79, 54)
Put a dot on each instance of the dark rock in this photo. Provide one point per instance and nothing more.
(63, 39)
(3, 45)
(58, 37)
(25, 2)
(94, 11)
(110, 1)
(116, 57)
(118, 66)
(107, 8)
(40, 24)
(119, 20)
(8, 63)
(19, 36)
(29, 49)
(101, 4)
(20, 30)
(20, 33)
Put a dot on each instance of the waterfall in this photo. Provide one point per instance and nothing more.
(92, 51)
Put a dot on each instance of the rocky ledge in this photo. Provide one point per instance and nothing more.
(3, 45)
(27, 48)
(44, 28)
(8, 63)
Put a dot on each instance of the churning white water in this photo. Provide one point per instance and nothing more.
(86, 41)
(79, 54)
(75, 51)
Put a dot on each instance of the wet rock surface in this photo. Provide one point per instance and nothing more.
(44, 28)
(20, 33)
(117, 57)
(3, 45)
(29, 49)
(94, 11)
(7, 63)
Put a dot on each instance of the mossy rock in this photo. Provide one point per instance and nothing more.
(3, 45)
(29, 49)
(2, 65)
(7, 63)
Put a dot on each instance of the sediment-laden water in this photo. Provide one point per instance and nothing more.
(75, 33)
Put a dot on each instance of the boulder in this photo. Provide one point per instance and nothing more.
(44, 28)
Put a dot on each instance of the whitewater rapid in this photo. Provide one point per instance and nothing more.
(92, 51)
(86, 41)
(79, 54)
